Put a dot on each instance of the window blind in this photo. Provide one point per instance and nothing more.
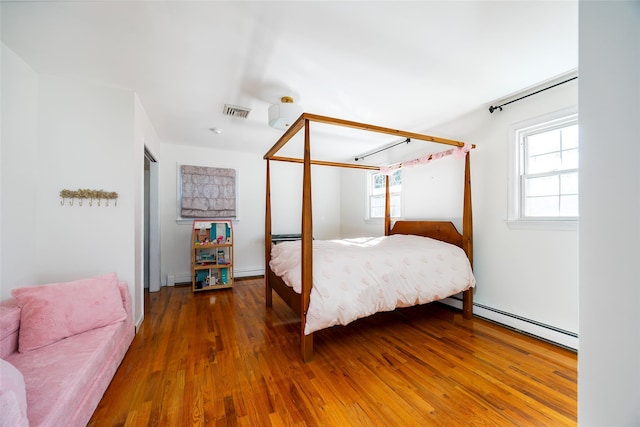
(207, 192)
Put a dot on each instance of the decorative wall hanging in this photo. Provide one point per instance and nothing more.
(68, 196)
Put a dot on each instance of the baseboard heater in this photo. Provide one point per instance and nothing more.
(549, 333)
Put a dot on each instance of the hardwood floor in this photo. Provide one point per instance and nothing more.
(220, 358)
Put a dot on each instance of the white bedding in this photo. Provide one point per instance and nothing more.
(355, 278)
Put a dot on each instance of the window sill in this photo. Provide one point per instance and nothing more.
(189, 221)
(559, 225)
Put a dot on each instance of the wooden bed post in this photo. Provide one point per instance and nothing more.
(387, 207)
(467, 236)
(306, 341)
(267, 241)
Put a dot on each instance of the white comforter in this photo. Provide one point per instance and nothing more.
(355, 278)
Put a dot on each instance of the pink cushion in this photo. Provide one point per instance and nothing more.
(13, 397)
(55, 311)
(9, 326)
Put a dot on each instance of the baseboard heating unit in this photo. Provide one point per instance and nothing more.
(521, 324)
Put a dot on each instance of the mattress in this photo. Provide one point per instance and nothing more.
(354, 278)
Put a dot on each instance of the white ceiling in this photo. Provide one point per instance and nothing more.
(404, 65)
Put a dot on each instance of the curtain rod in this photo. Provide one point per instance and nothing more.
(408, 140)
(499, 107)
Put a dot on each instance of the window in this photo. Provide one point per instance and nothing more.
(206, 192)
(545, 181)
(376, 191)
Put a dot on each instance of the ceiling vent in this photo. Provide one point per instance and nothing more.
(235, 111)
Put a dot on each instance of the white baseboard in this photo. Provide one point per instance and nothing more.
(248, 272)
(176, 278)
(172, 279)
(138, 324)
(531, 327)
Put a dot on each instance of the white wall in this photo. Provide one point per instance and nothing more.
(85, 140)
(353, 203)
(286, 199)
(248, 231)
(527, 273)
(286, 189)
(435, 192)
(60, 134)
(19, 157)
(609, 361)
(519, 272)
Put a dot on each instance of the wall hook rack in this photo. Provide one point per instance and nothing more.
(68, 196)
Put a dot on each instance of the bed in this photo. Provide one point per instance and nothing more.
(297, 288)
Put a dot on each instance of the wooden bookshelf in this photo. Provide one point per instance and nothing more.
(211, 254)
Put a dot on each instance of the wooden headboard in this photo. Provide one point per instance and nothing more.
(440, 230)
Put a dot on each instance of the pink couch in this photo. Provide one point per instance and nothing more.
(67, 357)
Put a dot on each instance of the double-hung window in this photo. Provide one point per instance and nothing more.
(377, 192)
(545, 181)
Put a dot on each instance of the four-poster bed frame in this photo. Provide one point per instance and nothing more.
(440, 230)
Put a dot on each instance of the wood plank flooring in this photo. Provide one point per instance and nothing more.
(221, 358)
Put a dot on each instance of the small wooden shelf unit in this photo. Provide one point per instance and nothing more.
(211, 254)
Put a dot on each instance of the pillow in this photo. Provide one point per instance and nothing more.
(55, 311)
(13, 397)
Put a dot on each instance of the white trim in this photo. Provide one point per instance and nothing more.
(248, 272)
(177, 278)
(555, 224)
(138, 324)
(154, 227)
(173, 279)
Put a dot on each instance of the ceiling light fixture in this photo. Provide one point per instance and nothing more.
(216, 130)
(282, 115)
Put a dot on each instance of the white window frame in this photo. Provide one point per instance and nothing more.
(515, 219)
(392, 192)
